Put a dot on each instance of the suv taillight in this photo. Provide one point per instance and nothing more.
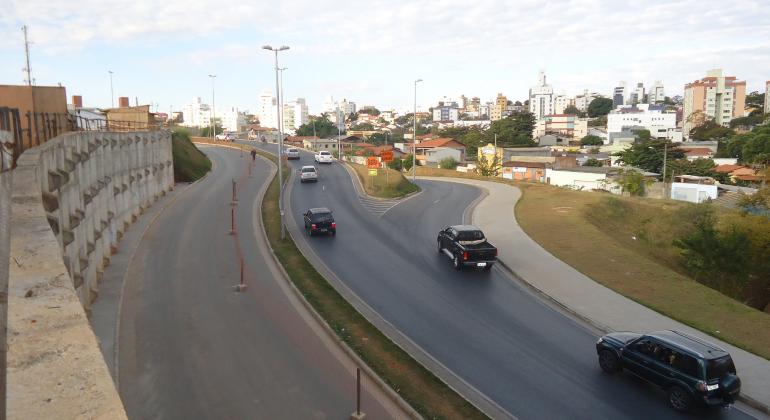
(312, 226)
(334, 225)
(465, 256)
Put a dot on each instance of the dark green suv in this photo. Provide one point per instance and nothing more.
(689, 369)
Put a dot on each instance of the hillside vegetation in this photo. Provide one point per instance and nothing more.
(190, 164)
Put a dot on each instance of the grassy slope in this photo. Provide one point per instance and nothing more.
(392, 185)
(626, 245)
(189, 163)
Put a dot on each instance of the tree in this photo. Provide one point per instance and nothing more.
(206, 131)
(591, 140)
(710, 130)
(396, 164)
(632, 182)
(370, 111)
(488, 167)
(598, 122)
(514, 130)
(642, 135)
(648, 155)
(599, 107)
(407, 162)
(697, 167)
(448, 163)
(593, 162)
(323, 128)
(755, 99)
(572, 110)
(363, 127)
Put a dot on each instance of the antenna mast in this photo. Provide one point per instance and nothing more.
(26, 50)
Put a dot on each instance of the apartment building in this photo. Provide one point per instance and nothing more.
(446, 112)
(232, 119)
(499, 108)
(657, 94)
(560, 103)
(654, 118)
(582, 101)
(717, 97)
(196, 114)
(541, 98)
(619, 94)
(295, 114)
(266, 110)
(565, 125)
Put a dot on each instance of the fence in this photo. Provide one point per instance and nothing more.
(35, 128)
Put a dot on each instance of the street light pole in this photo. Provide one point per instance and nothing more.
(280, 135)
(112, 92)
(212, 122)
(414, 133)
(280, 99)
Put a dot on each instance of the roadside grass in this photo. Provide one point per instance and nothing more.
(190, 164)
(624, 243)
(388, 183)
(427, 394)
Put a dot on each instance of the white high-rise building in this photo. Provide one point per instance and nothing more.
(232, 119)
(541, 98)
(295, 114)
(654, 118)
(582, 101)
(196, 114)
(656, 95)
(334, 109)
(560, 103)
(267, 109)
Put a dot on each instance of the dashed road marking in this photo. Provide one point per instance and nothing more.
(377, 207)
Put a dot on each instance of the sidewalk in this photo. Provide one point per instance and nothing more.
(599, 305)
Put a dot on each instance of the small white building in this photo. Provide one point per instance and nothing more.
(583, 178)
(695, 189)
(661, 124)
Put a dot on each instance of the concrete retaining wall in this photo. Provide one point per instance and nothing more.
(73, 198)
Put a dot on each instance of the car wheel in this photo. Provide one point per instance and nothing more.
(334, 233)
(679, 398)
(609, 361)
(456, 262)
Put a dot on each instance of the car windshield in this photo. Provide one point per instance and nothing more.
(325, 153)
(470, 235)
(323, 217)
(308, 169)
(719, 368)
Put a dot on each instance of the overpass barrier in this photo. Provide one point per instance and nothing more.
(72, 199)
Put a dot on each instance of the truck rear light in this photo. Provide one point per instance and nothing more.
(312, 226)
(334, 225)
(465, 256)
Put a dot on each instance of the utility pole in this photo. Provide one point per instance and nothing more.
(26, 51)
(112, 91)
(212, 123)
(280, 137)
(414, 133)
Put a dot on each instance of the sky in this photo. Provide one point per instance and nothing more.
(370, 52)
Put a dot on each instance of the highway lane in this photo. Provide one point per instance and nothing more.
(190, 347)
(528, 357)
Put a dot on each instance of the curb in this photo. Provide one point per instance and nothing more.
(392, 394)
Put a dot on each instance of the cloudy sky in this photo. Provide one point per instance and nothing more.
(370, 52)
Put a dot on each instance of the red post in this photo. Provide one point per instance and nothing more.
(358, 391)
(235, 196)
(232, 221)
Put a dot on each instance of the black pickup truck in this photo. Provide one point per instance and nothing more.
(466, 246)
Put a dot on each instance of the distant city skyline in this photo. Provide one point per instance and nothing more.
(162, 53)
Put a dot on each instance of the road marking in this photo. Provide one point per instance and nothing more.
(436, 202)
(377, 207)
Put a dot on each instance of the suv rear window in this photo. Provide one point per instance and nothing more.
(323, 152)
(719, 368)
(308, 169)
(292, 150)
(322, 217)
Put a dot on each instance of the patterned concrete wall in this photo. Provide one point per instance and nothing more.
(73, 198)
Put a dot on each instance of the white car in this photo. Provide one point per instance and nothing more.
(308, 174)
(292, 153)
(324, 156)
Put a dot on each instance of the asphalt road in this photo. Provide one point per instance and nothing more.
(192, 348)
(531, 359)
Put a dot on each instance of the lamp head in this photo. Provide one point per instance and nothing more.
(267, 47)
(283, 48)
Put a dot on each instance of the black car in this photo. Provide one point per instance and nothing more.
(689, 369)
(467, 246)
(320, 220)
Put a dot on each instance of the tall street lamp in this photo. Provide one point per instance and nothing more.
(280, 98)
(280, 135)
(112, 92)
(212, 122)
(414, 133)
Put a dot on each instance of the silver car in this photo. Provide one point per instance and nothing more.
(292, 153)
(308, 174)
